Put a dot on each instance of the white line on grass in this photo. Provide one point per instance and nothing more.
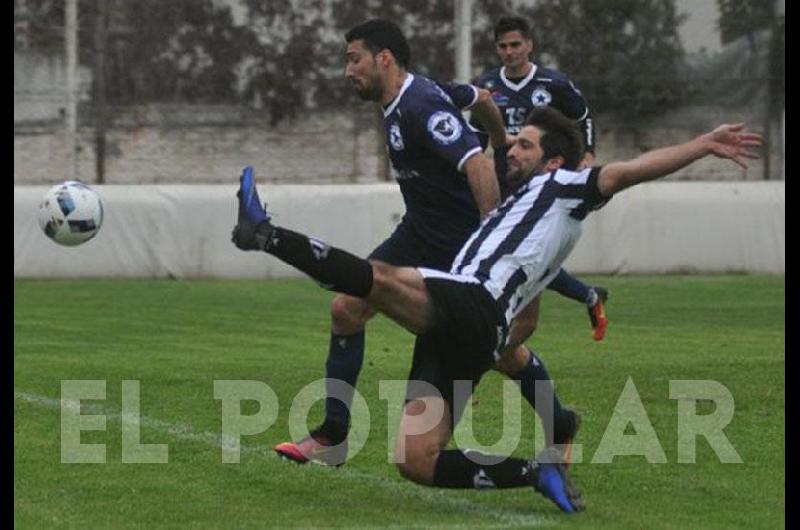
(183, 431)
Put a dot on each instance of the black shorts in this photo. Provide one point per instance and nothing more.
(468, 329)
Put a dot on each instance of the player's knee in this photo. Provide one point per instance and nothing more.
(419, 464)
(382, 276)
(415, 454)
(348, 314)
(513, 360)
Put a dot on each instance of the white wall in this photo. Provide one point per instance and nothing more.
(184, 231)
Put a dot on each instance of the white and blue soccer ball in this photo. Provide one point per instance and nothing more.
(71, 213)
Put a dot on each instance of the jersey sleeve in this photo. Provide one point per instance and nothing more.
(587, 126)
(570, 101)
(592, 198)
(573, 105)
(582, 185)
(463, 96)
(441, 128)
(483, 137)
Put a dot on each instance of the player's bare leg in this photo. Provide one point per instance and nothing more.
(420, 456)
(398, 292)
(349, 314)
(424, 431)
(521, 364)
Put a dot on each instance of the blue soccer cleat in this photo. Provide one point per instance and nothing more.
(551, 480)
(252, 221)
(250, 208)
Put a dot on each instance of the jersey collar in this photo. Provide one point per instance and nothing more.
(518, 86)
(407, 83)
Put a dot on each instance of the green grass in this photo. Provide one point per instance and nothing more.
(176, 338)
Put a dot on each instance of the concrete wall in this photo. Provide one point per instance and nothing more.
(202, 145)
(39, 81)
(184, 231)
(210, 144)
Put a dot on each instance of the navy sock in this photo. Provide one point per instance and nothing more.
(567, 285)
(345, 357)
(534, 376)
(455, 470)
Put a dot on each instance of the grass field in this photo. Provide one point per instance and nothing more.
(176, 338)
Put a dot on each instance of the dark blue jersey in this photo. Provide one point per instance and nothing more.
(429, 142)
(540, 88)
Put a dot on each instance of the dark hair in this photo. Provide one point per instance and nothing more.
(560, 136)
(506, 24)
(380, 34)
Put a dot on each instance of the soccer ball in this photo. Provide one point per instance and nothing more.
(71, 213)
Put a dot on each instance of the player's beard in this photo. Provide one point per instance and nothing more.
(371, 89)
(516, 175)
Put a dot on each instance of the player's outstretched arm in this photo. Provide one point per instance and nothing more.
(726, 141)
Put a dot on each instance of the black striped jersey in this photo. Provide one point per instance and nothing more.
(519, 248)
(428, 142)
(540, 88)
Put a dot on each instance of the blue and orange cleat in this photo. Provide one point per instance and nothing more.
(597, 313)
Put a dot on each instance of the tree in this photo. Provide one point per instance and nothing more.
(185, 50)
(43, 22)
(625, 55)
(739, 18)
(747, 19)
(297, 53)
(182, 50)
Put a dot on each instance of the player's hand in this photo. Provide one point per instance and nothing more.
(509, 140)
(588, 161)
(734, 143)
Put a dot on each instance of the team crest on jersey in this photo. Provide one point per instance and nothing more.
(396, 138)
(540, 97)
(444, 127)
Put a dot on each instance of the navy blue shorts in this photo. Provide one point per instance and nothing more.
(405, 248)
